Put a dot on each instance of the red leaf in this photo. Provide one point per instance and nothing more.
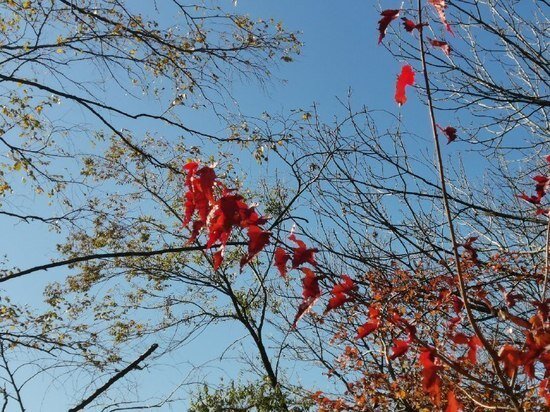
(431, 382)
(541, 188)
(281, 259)
(258, 239)
(450, 132)
(440, 7)
(406, 78)
(228, 212)
(410, 25)
(443, 45)
(453, 405)
(511, 298)
(457, 304)
(347, 286)
(336, 301)
(200, 191)
(474, 343)
(310, 293)
(371, 325)
(302, 254)
(367, 328)
(511, 358)
(471, 251)
(531, 199)
(460, 339)
(399, 348)
(310, 284)
(387, 17)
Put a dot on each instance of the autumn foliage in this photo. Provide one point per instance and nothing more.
(441, 334)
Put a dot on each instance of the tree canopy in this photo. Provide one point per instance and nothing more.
(390, 258)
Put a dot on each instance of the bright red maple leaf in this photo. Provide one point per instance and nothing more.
(443, 45)
(371, 325)
(440, 6)
(405, 78)
(511, 357)
(431, 382)
(258, 239)
(367, 328)
(281, 259)
(302, 254)
(310, 293)
(200, 186)
(473, 343)
(387, 17)
(399, 348)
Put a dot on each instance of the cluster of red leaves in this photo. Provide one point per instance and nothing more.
(431, 382)
(212, 207)
(371, 325)
(460, 338)
(535, 349)
(300, 255)
(328, 405)
(219, 210)
(311, 292)
(542, 187)
(341, 293)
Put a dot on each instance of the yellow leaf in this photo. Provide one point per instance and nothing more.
(17, 166)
